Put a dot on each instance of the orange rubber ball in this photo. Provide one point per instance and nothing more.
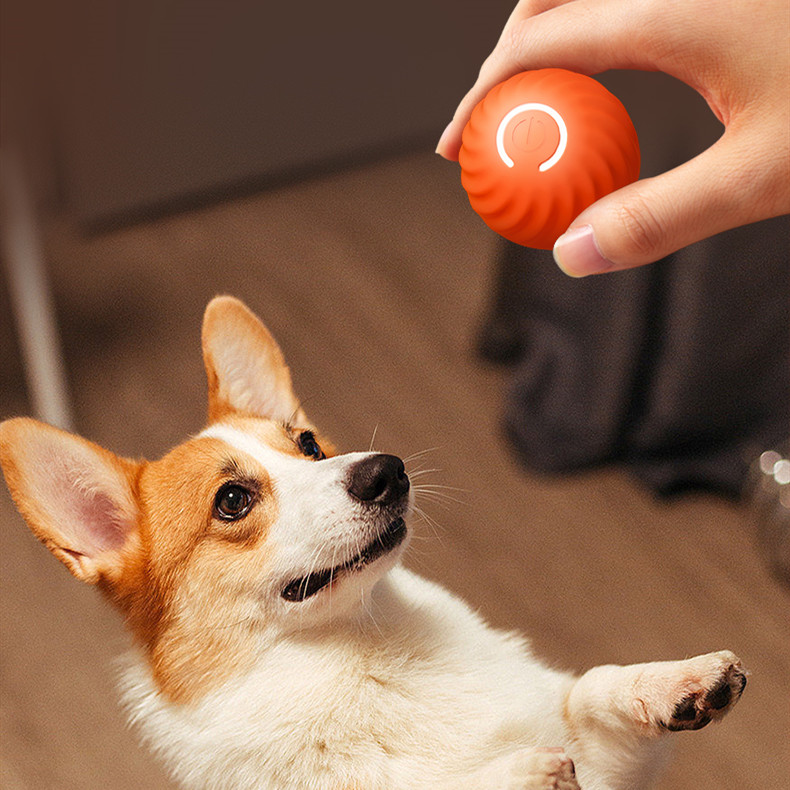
(540, 148)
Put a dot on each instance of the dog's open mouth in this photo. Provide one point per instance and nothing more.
(307, 586)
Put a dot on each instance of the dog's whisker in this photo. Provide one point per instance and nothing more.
(443, 487)
(420, 511)
(425, 546)
(332, 579)
(432, 523)
(313, 566)
(418, 461)
(421, 472)
(373, 438)
(418, 454)
(439, 488)
(439, 497)
(370, 605)
(235, 624)
(444, 503)
(446, 506)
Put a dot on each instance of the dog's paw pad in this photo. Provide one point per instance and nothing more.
(711, 701)
(543, 769)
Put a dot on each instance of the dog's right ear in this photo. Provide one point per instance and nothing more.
(77, 498)
(245, 368)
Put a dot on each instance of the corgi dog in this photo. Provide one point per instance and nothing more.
(280, 645)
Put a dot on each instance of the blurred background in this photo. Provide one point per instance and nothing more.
(158, 152)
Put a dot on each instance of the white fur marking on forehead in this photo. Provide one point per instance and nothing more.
(244, 442)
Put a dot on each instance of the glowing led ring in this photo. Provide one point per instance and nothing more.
(500, 134)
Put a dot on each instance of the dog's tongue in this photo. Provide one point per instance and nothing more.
(302, 589)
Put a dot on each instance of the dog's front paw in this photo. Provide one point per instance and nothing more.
(687, 695)
(540, 769)
(711, 696)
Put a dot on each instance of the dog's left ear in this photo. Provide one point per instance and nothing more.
(245, 368)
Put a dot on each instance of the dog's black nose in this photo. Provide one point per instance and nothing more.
(379, 479)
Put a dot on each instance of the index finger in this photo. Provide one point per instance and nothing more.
(587, 36)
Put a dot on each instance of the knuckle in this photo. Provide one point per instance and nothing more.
(510, 47)
(528, 8)
(510, 52)
(642, 226)
(533, 7)
(487, 66)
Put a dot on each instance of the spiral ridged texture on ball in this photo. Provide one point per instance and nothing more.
(521, 202)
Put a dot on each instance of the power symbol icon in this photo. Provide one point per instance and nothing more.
(530, 133)
(535, 134)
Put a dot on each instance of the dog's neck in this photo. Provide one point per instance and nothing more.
(392, 617)
(186, 665)
(316, 697)
(403, 619)
(392, 607)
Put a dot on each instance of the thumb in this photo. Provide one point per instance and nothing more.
(720, 189)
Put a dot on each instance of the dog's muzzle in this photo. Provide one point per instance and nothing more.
(378, 482)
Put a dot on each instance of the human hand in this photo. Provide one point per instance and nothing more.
(735, 54)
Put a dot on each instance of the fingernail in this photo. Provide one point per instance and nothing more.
(443, 139)
(576, 253)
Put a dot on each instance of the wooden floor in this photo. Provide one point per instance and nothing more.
(373, 280)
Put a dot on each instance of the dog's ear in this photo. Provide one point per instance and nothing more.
(77, 498)
(245, 368)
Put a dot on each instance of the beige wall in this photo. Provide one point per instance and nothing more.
(161, 100)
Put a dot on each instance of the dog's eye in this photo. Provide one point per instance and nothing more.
(309, 446)
(232, 502)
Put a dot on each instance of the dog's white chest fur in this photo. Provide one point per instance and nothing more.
(420, 694)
